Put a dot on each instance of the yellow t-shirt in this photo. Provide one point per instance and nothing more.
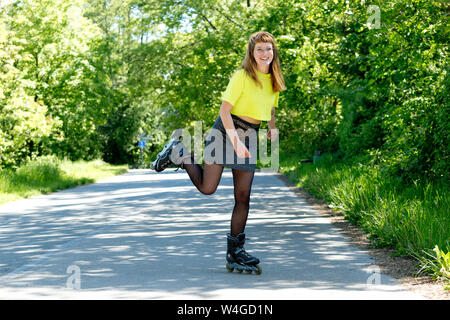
(248, 98)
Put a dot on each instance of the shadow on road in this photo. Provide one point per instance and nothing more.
(155, 234)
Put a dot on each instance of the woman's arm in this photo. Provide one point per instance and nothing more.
(273, 132)
(271, 123)
(240, 148)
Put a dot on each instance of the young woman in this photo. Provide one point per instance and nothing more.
(250, 98)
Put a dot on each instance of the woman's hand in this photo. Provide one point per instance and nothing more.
(241, 150)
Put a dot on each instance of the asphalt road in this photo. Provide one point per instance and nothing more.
(147, 235)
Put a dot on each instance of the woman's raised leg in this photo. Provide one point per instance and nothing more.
(205, 178)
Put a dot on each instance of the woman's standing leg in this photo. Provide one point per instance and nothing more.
(242, 188)
(237, 257)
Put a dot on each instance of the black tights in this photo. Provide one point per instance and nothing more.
(207, 179)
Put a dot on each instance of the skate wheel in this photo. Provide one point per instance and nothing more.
(248, 271)
(229, 269)
(239, 270)
(259, 270)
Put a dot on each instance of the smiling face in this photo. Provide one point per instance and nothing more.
(263, 54)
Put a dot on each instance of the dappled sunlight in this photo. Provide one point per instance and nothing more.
(155, 236)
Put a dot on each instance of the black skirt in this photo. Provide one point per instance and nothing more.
(219, 149)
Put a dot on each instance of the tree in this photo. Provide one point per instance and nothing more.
(25, 126)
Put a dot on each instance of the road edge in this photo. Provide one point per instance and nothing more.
(403, 269)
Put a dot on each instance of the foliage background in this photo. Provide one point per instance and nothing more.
(82, 79)
(367, 84)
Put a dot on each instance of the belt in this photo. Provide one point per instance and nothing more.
(244, 124)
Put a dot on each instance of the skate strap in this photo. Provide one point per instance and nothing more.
(239, 250)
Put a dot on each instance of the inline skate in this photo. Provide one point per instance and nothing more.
(238, 258)
(172, 154)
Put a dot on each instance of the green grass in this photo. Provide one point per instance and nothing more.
(413, 219)
(49, 174)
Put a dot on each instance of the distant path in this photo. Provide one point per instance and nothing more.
(144, 235)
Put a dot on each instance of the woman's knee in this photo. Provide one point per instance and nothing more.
(242, 196)
(208, 190)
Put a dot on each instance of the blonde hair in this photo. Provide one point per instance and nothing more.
(249, 63)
